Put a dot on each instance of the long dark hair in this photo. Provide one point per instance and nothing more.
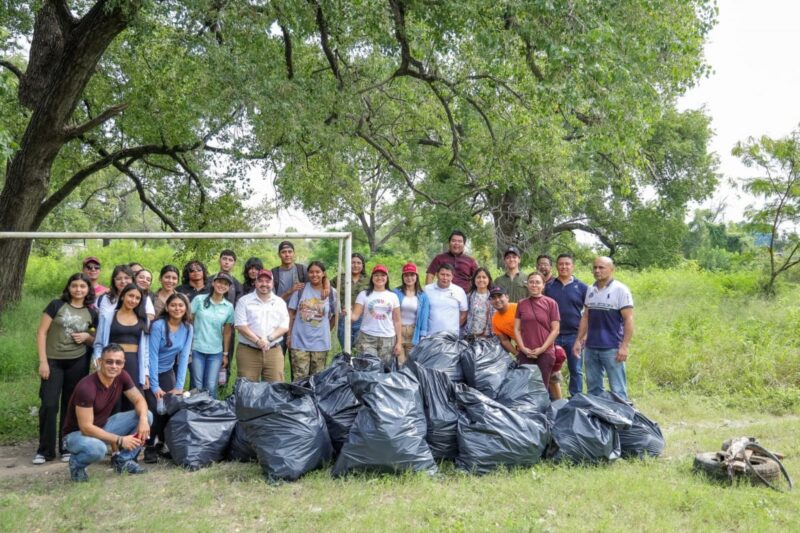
(79, 276)
(371, 286)
(187, 317)
(145, 293)
(112, 294)
(140, 309)
(190, 264)
(472, 287)
(250, 263)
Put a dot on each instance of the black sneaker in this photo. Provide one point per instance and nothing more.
(78, 474)
(150, 455)
(130, 466)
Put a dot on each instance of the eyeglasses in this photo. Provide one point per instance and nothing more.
(92, 267)
(114, 362)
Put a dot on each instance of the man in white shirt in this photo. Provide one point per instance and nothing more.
(261, 319)
(448, 303)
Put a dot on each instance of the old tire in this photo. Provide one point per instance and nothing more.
(708, 463)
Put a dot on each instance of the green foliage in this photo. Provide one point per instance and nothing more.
(779, 187)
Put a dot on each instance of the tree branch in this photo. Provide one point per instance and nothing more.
(80, 129)
(13, 68)
(66, 20)
(322, 24)
(287, 51)
(450, 121)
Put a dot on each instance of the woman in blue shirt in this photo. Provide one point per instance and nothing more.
(170, 341)
(414, 309)
(213, 323)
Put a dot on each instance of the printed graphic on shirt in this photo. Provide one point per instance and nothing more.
(73, 322)
(312, 311)
(380, 308)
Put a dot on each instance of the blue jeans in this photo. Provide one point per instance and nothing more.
(599, 362)
(355, 328)
(205, 371)
(87, 450)
(574, 364)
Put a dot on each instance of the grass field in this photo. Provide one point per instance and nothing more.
(654, 495)
(710, 360)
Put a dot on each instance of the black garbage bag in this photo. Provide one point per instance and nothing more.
(441, 351)
(553, 409)
(523, 389)
(367, 362)
(239, 448)
(284, 425)
(643, 437)
(586, 429)
(335, 398)
(491, 435)
(485, 365)
(388, 434)
(199, 429)
(441, 411)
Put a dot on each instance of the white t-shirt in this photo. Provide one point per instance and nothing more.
(446, 307)
(377, 314)
(408, 310)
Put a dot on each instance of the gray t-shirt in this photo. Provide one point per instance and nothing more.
(311, 331)
(286, 278)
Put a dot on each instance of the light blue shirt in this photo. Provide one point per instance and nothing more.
(311, 330)
(208, 323)
(162, 357)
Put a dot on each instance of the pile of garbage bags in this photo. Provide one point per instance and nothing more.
(453, 400)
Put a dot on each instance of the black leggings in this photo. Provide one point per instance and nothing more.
(54, 393)
(166, 382)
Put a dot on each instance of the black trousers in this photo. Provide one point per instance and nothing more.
(55, 393)
(166, 382)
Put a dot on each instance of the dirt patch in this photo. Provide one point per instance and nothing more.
(16, 460)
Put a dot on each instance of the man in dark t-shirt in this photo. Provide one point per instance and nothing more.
(89, 425)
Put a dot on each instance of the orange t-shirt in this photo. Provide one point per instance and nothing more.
(504, 322)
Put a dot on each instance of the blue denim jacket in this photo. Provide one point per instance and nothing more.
(423, 310)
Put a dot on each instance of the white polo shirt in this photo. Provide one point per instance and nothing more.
(262, 317)
(446, 306)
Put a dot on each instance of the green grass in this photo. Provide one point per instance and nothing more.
(652, 495)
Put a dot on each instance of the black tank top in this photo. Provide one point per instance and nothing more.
(122, 334)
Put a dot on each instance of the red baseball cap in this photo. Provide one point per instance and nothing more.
(380, 268)
(264, 273)
(409, 268)
(91, 259)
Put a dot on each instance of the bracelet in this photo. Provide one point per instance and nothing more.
(269, 339)
(224, 353)
(119, 441)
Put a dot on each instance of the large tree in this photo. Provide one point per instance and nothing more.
(465, 107)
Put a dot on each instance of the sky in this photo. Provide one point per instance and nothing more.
(753, 89)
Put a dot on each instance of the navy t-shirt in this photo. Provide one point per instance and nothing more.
(570, 299)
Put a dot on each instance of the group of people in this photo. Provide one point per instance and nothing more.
(143, 343)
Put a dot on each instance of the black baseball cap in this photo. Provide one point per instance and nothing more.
(512, 250)
(496, 291)
(285, 244)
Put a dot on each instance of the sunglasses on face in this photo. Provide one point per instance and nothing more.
(114, 362)
(92, 267)
(195, 269)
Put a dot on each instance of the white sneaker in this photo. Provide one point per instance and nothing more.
(65, 457)
(39, 459)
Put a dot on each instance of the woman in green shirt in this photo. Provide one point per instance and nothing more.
(63, 339)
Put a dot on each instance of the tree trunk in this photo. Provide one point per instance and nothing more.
(64, 54)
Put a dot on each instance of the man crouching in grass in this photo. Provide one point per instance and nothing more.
(89, 426)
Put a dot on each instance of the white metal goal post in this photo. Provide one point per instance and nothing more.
(345, 238)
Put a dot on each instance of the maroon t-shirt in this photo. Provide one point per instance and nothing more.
(89, 392)
(536, 315)
(464, 266)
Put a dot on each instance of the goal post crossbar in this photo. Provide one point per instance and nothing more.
(347, 237)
